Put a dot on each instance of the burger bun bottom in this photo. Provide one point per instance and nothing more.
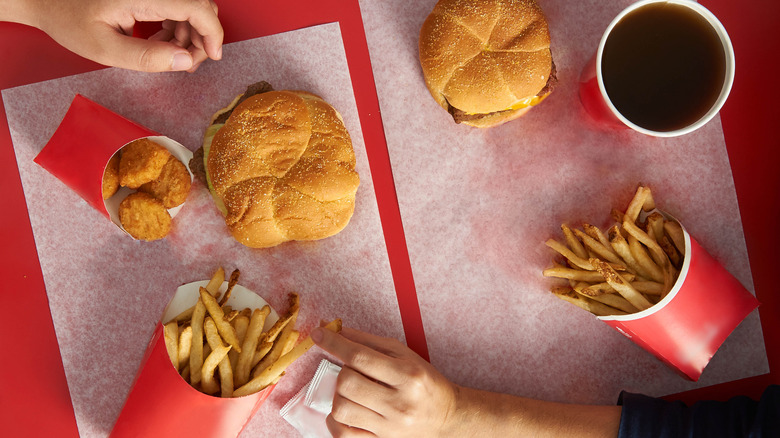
(496, 119)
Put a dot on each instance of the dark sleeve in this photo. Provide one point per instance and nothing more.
(645, 416)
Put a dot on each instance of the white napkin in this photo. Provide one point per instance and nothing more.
(309, 408)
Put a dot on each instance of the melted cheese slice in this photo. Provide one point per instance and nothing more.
(528, 101)
(522, 103)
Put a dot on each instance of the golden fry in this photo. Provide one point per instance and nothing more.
(648, 287)
(231, 283)
(185, 373)
(570, 256)
(216, 281)
(649, 201)
(196, 349)
(291, 341)
(644, 260)
(595, 290)
(573, 274)
(277, 328)
(574, 244)
(655, 222)
(208, 384)
(226, 330)
(670, 250)
(262, 350)
(635, 206)
(249, 346)
(675, 232)
(645, 287)
(591, 306)
(615, 301)
(171, 335)
(240, 323)
(225, 370)
(229, 313)
(185, 344)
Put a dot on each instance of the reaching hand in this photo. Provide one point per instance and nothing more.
(101, 30)
(385, 389)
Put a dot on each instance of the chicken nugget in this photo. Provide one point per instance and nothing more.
(144, 217)
(111, 177)
(173, 184)
(141, 162)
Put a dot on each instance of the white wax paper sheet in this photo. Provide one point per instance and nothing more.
(477, 206)
(107, 291)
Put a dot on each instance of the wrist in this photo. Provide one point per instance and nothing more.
(452, 422)
(466, 416)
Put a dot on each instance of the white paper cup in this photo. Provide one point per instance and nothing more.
(597, 102)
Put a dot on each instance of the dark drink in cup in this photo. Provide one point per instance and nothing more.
(663, 68)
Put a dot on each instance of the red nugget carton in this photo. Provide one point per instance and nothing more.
(686, 328)
(86, 139)
(162, 404)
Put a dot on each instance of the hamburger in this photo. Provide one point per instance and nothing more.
(487, 61)
(280, 167)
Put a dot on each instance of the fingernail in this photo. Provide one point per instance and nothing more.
(316, 335)
(181, 62)
(219, 53)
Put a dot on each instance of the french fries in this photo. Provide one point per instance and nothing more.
(627, 270)
(268, 375)
(224, 352)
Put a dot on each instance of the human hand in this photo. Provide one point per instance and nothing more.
(385, 389)
(101, 30)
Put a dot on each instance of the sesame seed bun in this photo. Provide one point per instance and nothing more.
(281, 168)
(486, 61)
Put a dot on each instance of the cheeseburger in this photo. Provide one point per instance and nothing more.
(280, 166)
(487, 61)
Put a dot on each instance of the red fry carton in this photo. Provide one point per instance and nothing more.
(88, 136)
(162, 404)
(686, 328)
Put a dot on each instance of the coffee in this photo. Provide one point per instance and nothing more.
(663, 66)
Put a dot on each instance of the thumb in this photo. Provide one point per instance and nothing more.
(144, 55)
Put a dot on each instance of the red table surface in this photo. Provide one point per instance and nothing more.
(32, 380)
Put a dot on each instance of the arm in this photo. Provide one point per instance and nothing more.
(17, 11)
(507, 415)
(101, 30)
(386, 389)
